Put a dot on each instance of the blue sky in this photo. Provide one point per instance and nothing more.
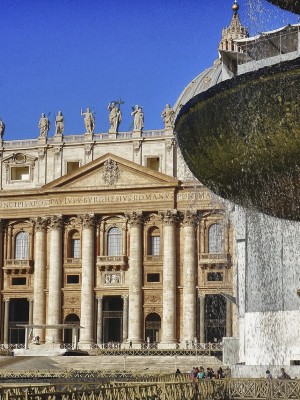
(70, 54)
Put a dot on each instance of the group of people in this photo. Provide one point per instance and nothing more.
(283, 374)
(200, 373)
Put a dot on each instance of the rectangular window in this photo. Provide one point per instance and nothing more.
(75, 251)
(153, 278)
(153, 163)
(155, 245)
(19, 173)
(72, 279)
(18, 281)
(72, 166)
(215, 276)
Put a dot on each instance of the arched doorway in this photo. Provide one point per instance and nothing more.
(112, 319)
(68, 333)
(215, 317)
(152, 328)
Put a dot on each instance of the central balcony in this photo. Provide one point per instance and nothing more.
(18, 266)
(112, 263)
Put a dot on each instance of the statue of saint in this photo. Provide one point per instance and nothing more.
(168, 115)
(2, 128)
(89, 120)
(59, 123)
(115, 117)
(138, 118)
(44, 125)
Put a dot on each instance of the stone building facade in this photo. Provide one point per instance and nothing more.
(111, 231)
(113, 234)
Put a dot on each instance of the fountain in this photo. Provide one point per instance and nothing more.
(241, 138)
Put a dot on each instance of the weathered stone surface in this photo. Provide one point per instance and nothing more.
(241, 138)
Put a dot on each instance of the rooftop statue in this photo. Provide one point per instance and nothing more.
(2, 128)
(115, 116)
(138, 118)
(168, 115)
(44, 125)
(59, 123)
(89, 120)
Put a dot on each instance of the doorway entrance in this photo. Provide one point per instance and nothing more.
(215, 318)
(18, 314)
(69, 333)
(112, 319)
(152, 328)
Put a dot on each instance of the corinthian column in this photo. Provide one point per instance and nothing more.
(55, 278)
(169, 279)
(87, 280)
(189, 276)
(40, 260)
(135, 279)
(99, 320)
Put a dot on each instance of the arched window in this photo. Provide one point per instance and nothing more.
(21, 246)
(75, 245)
(154, 242)
(215, 239)
(114, 242)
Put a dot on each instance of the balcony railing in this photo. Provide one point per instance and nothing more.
(18, 266)
(116, 263)
(217, 258)
(72, 261)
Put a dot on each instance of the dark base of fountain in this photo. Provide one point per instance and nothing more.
(290, 5)
(241, 139)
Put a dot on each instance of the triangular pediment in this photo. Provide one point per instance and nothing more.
(111, 172)
(19, 158)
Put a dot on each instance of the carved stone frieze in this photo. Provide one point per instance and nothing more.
(153, 299)
(156, 310)
(74, 222)
(111, 172)
(68, 311)
(72, 301)
(56, 222)
(153, 219)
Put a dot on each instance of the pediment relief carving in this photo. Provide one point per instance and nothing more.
(111, 171)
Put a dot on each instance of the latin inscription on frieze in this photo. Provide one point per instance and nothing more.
(124, 198)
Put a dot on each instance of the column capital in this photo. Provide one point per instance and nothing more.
(125, 297)
(189, 218)
(88, 221)
(56, 222)
(99, 298)
(40, 223)
(200, 295)
(169, 217)
(135, 218)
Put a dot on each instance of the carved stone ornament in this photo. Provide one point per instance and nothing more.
(135, 218)
(112, 279)
(57, 150)
(88, 221)
(40, 223)
(153, 299)
(169, 217)
(169, 144)
(72, 300)
(189, 218)
(56, 222)
(137, 145)
(111, 172)
(88, 149)
(41, 153)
